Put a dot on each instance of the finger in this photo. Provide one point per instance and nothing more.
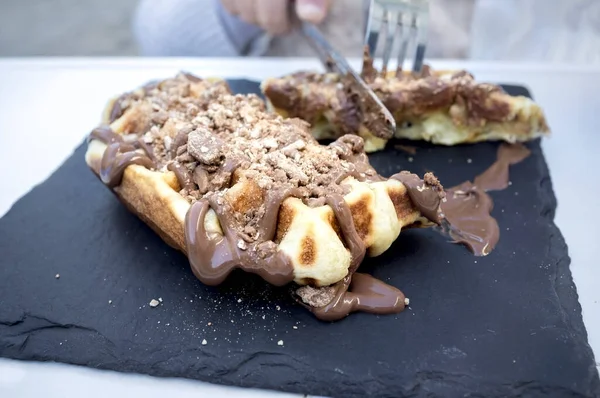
(313, 11)
(247, 10)
(272, 16)
(231, 6)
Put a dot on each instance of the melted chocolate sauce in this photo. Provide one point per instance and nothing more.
(183, 175)
(117, 110)
(468, 207)
(118, 155)
(342, 304)
(213, 258)
(425, 197)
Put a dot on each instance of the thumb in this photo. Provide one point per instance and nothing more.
(313, 11)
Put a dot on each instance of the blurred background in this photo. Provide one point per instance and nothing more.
(66, 27)
(566, 31)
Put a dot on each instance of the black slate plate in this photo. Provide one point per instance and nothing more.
(504, 325)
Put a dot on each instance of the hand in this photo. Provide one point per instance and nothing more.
(272, 15)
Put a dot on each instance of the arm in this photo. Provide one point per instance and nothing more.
(194, 28)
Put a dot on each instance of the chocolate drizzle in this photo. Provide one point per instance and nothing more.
(184, 177)
(236, 168)
(213, 258)
(117, 110)
(343, 303)
(118, 155)
(425, 194)
(467, 209)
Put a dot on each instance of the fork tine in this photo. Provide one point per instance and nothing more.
(413, 32)
(388, 37)
(421, 41)
(418, 64)
(403, 43)
(371, 33)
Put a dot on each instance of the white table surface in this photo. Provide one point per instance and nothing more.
(48, 105)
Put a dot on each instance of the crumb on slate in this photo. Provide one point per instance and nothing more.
(154, 303)
(280, 342)
(204, 342)
(57, 276)
(109, 301)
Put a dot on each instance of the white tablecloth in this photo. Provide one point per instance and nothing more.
(48, 105)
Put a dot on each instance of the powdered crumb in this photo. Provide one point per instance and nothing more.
(295, 327)
(432, 181)
(204, 342)
(280, 342)
(316, 297)
(160, 299)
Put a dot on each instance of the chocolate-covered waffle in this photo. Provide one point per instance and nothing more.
(444, 107)
(234, 186)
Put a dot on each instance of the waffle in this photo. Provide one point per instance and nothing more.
(443, 107)
(233, 186)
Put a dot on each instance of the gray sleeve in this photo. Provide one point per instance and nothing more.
(194, 28)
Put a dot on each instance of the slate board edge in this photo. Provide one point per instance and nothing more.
(562, 286)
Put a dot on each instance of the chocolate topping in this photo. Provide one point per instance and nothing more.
(117, 109)
(426, 194)
(205, 146)
(342, 305)
(467, 209)
(241, 162)
(183, 175)
(118, 155)
(200, 178)
(212, 258)
(408, 96)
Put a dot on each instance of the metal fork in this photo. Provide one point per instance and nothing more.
(335, 62)
(391, 20)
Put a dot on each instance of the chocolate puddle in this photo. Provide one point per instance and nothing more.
(362, 292)
(467, 209)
